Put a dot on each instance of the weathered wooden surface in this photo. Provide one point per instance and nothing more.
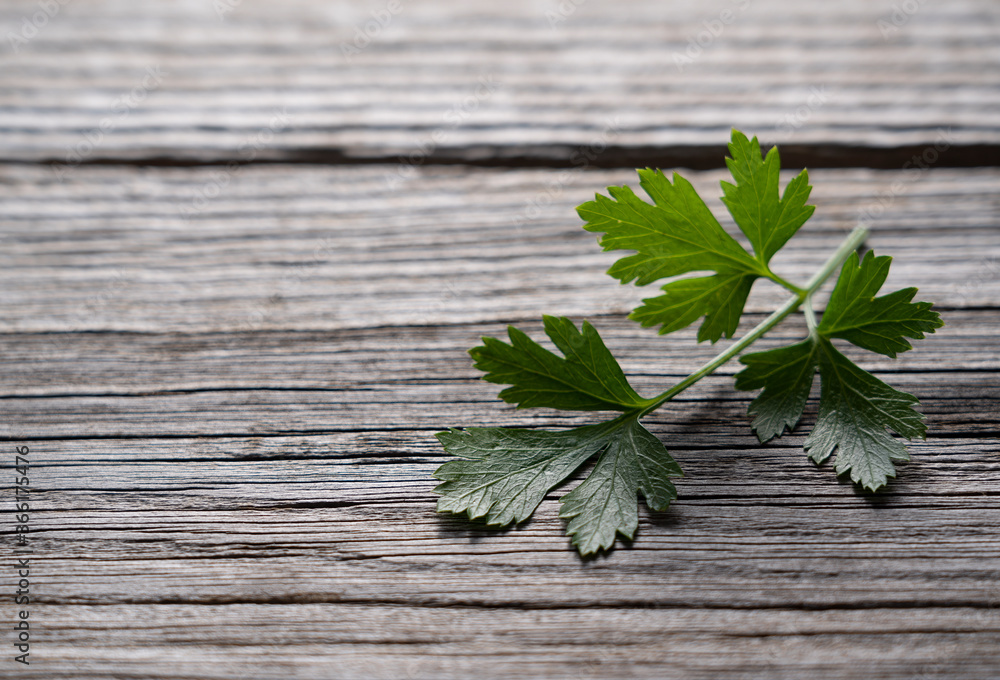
(331, 248)
(795, 73)
(230, 377)
(219, 499)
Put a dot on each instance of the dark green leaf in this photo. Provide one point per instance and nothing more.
(855, 408)
(674, 235)
(876, 324)
(587, 379)
(786, 375)
(605, 504)
(506, 473)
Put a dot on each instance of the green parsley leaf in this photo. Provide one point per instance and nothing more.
(767, 220)
(502, 475)
(875, 324)
(605, 503)
(785, 375)
(856, 409)
(507, 473)
(587, 379)
(719, 298)
(677, 234)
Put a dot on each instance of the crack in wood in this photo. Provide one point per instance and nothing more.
(557, 156)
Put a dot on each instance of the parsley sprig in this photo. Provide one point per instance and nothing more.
(502, 474)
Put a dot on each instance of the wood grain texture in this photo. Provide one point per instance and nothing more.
(372, 391)
(597, 72)
(319, 248)
(230, 376)
(393, 641)
(218, 499)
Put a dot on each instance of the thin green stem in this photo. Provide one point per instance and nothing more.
(784, 283)
(760, 329)
(848, 246)
(810, 314)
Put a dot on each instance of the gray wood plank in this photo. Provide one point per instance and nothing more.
(140, 364)
(394, 641)
(765, 566)
(381, 556)
(111, 384)
(319, 248)
(593, 72)
(386, 468)
(197, 557)
(217, 499)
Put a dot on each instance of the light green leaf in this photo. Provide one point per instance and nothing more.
(767, 220)
(676, 234)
